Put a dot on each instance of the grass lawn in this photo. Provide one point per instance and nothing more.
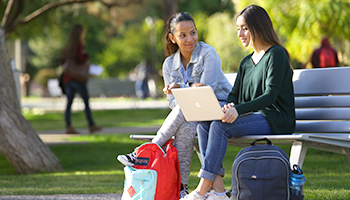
(104, 118)
(92, 168)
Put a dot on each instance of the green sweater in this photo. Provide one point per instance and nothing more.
(266, 87)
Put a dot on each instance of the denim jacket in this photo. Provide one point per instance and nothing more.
(204, 67)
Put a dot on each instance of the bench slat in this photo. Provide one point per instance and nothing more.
(322, 126)
(322, 101)
(323, 114)
(323, 81)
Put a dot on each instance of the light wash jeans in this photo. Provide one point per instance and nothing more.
(213, 136)
(176, 125)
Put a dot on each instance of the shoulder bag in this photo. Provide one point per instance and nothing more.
(77, 71)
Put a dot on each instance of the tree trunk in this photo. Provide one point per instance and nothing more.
(19, 142)
(169, 8)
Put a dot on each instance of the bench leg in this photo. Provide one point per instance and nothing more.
(297, 153)
(347, 153)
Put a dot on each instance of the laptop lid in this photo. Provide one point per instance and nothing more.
(198, 103)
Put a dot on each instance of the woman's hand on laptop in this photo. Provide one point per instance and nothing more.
(230, 113)
(167, 89)
(197, 84)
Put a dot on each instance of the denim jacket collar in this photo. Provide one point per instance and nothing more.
(194, 57)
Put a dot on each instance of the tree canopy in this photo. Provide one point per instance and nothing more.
(118, 37)
(302, 24)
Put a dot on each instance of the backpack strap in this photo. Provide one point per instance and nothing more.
(155, 144)
(262, 139)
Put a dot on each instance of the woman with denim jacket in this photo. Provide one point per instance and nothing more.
(189, 64)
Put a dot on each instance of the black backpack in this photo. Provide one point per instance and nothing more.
(261, 172)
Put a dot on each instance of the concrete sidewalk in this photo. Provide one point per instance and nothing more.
(57, 137)
(59, 104)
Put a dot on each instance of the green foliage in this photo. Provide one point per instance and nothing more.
(44, 75)
(47, 50)
(208, 7)
(301, 25)
(123, 53)
(201, 21)
(118, 49)
(222, 35)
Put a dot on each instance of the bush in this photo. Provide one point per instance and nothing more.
(44, 75)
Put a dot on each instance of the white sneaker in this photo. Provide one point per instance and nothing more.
(213, 196)
(193, 196)
(127, 159)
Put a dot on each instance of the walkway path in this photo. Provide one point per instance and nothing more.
(58, 104)
(55, 137)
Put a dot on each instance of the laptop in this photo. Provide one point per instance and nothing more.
(198, 103)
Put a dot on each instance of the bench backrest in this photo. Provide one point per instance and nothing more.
(322, 99)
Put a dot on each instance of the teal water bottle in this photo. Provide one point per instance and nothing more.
(296, 181)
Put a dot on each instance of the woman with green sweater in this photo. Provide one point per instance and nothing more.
(261, 101)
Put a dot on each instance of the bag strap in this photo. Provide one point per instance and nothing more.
(262, 139)
(155, 144)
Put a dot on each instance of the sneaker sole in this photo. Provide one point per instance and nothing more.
(125, 162)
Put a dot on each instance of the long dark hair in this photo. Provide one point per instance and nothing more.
(170, 47)
(260, 26)
(75, 38)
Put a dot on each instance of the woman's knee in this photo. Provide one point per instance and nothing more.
(203, 128)
(186, 131)
(219, 128)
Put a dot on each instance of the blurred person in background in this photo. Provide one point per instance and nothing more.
(325, 56)
(73, 53)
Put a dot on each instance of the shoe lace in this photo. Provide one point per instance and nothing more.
(184, 191)
(132, 156)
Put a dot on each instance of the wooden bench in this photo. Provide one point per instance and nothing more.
(322, 101)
